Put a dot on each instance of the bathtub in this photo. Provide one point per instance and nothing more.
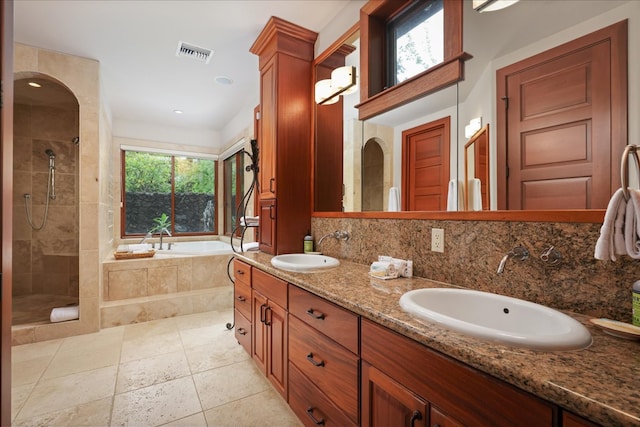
(190, 278)
(205, 247)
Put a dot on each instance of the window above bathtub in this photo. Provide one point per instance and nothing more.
(181, 186)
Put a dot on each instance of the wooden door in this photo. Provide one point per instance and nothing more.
(425, 171)
(276, 321)
(6, 216)
(385, 402)
(259, 330)
(563, 126)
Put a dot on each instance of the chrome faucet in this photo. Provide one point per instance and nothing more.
(163, 231)
(147, 236)
(338, 235)
(519, 253)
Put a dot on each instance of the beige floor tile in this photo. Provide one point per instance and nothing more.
(157, 404)
(149, 346)
(56, 394)
(196, 420)
(77, 356)
(205, 357)
(208, 318)
(222, 385)
(19, 395)
(152, 328)
(90, 414)
(265, 409)
(213, 334)
(153, 370)
(36, 350)
(28, 371)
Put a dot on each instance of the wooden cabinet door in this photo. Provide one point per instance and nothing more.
(385, 402)
(276, 322)
(442, 420)
(259, 331)
(268, 226)
(268, 131)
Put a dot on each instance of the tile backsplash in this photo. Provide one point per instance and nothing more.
(473, 250)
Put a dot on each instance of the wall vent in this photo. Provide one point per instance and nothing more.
(194, 52)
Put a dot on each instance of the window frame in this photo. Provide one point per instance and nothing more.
(375, 96)
(238, 157)
(173, 155)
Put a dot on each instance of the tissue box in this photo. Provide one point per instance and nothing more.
(383, 270)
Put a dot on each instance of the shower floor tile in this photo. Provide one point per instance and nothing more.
(29, 309)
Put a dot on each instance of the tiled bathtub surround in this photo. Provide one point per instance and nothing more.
(473, 250)
(146, 289)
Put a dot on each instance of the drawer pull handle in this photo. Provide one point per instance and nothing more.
(241, 298)
(263, 313)
(318, 316)
(416, 416)
(313, 362)
(318, 422)
(242, 331)
(267, 318)
(240, 272)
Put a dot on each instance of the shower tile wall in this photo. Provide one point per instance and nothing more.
(45, 261)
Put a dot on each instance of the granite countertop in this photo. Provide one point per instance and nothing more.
(601, 383)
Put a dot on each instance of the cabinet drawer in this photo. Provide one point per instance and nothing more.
(271, 287)
(242, 272)
(332, 368)
(242, 299)
(243, 331)
(335, 322)
(471, 396)
(311, 405)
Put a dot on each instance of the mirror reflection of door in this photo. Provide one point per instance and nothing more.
(561, 124)
(476, 171)
(425, 166)
(372, 176)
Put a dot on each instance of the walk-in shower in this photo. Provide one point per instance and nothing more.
(46, 175)
(51, 192)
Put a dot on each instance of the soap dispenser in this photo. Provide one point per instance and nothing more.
(308, 243)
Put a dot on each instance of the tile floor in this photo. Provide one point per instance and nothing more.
(181, 371)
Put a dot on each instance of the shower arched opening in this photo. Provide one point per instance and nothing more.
(46, 166)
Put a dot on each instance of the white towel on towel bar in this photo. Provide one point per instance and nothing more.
(394, 200)
(632, 225)
(612, 238)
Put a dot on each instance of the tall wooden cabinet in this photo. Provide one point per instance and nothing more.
(285, 53)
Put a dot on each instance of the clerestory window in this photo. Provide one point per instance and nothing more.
(178, 186)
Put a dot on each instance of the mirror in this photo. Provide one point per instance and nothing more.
(476, 171)
(517, 35)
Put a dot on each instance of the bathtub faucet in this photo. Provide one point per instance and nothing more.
(163, 231)
(147, 236)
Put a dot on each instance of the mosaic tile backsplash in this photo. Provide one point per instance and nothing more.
(473, 250)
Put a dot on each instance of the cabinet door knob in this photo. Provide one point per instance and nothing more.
(242, 331)
(240, 272)
(263, 313)
(416, 416)
(267, 316)
(318, 422)
(271, 182)
(312, 313)
(313, 362)
(241, 298)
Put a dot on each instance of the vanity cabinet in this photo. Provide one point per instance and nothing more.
(285, 52)
(242, 303)
(269, 347)
(404, 382)
(323, 361)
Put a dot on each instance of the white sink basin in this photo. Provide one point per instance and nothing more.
(498, 318)
(304, 263)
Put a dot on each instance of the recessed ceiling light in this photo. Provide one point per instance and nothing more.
(223, 80)
(178, 111)
(34, 84)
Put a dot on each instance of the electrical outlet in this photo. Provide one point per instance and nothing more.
(437, 239)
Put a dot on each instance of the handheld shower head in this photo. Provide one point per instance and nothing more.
(49, 152)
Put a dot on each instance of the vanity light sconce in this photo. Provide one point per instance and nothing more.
(342, 82)
(491, 5)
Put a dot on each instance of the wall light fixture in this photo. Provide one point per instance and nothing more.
(342, 82)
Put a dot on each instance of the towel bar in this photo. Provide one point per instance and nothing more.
(624, 167)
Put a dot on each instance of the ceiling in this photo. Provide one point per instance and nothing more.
(136, 42)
